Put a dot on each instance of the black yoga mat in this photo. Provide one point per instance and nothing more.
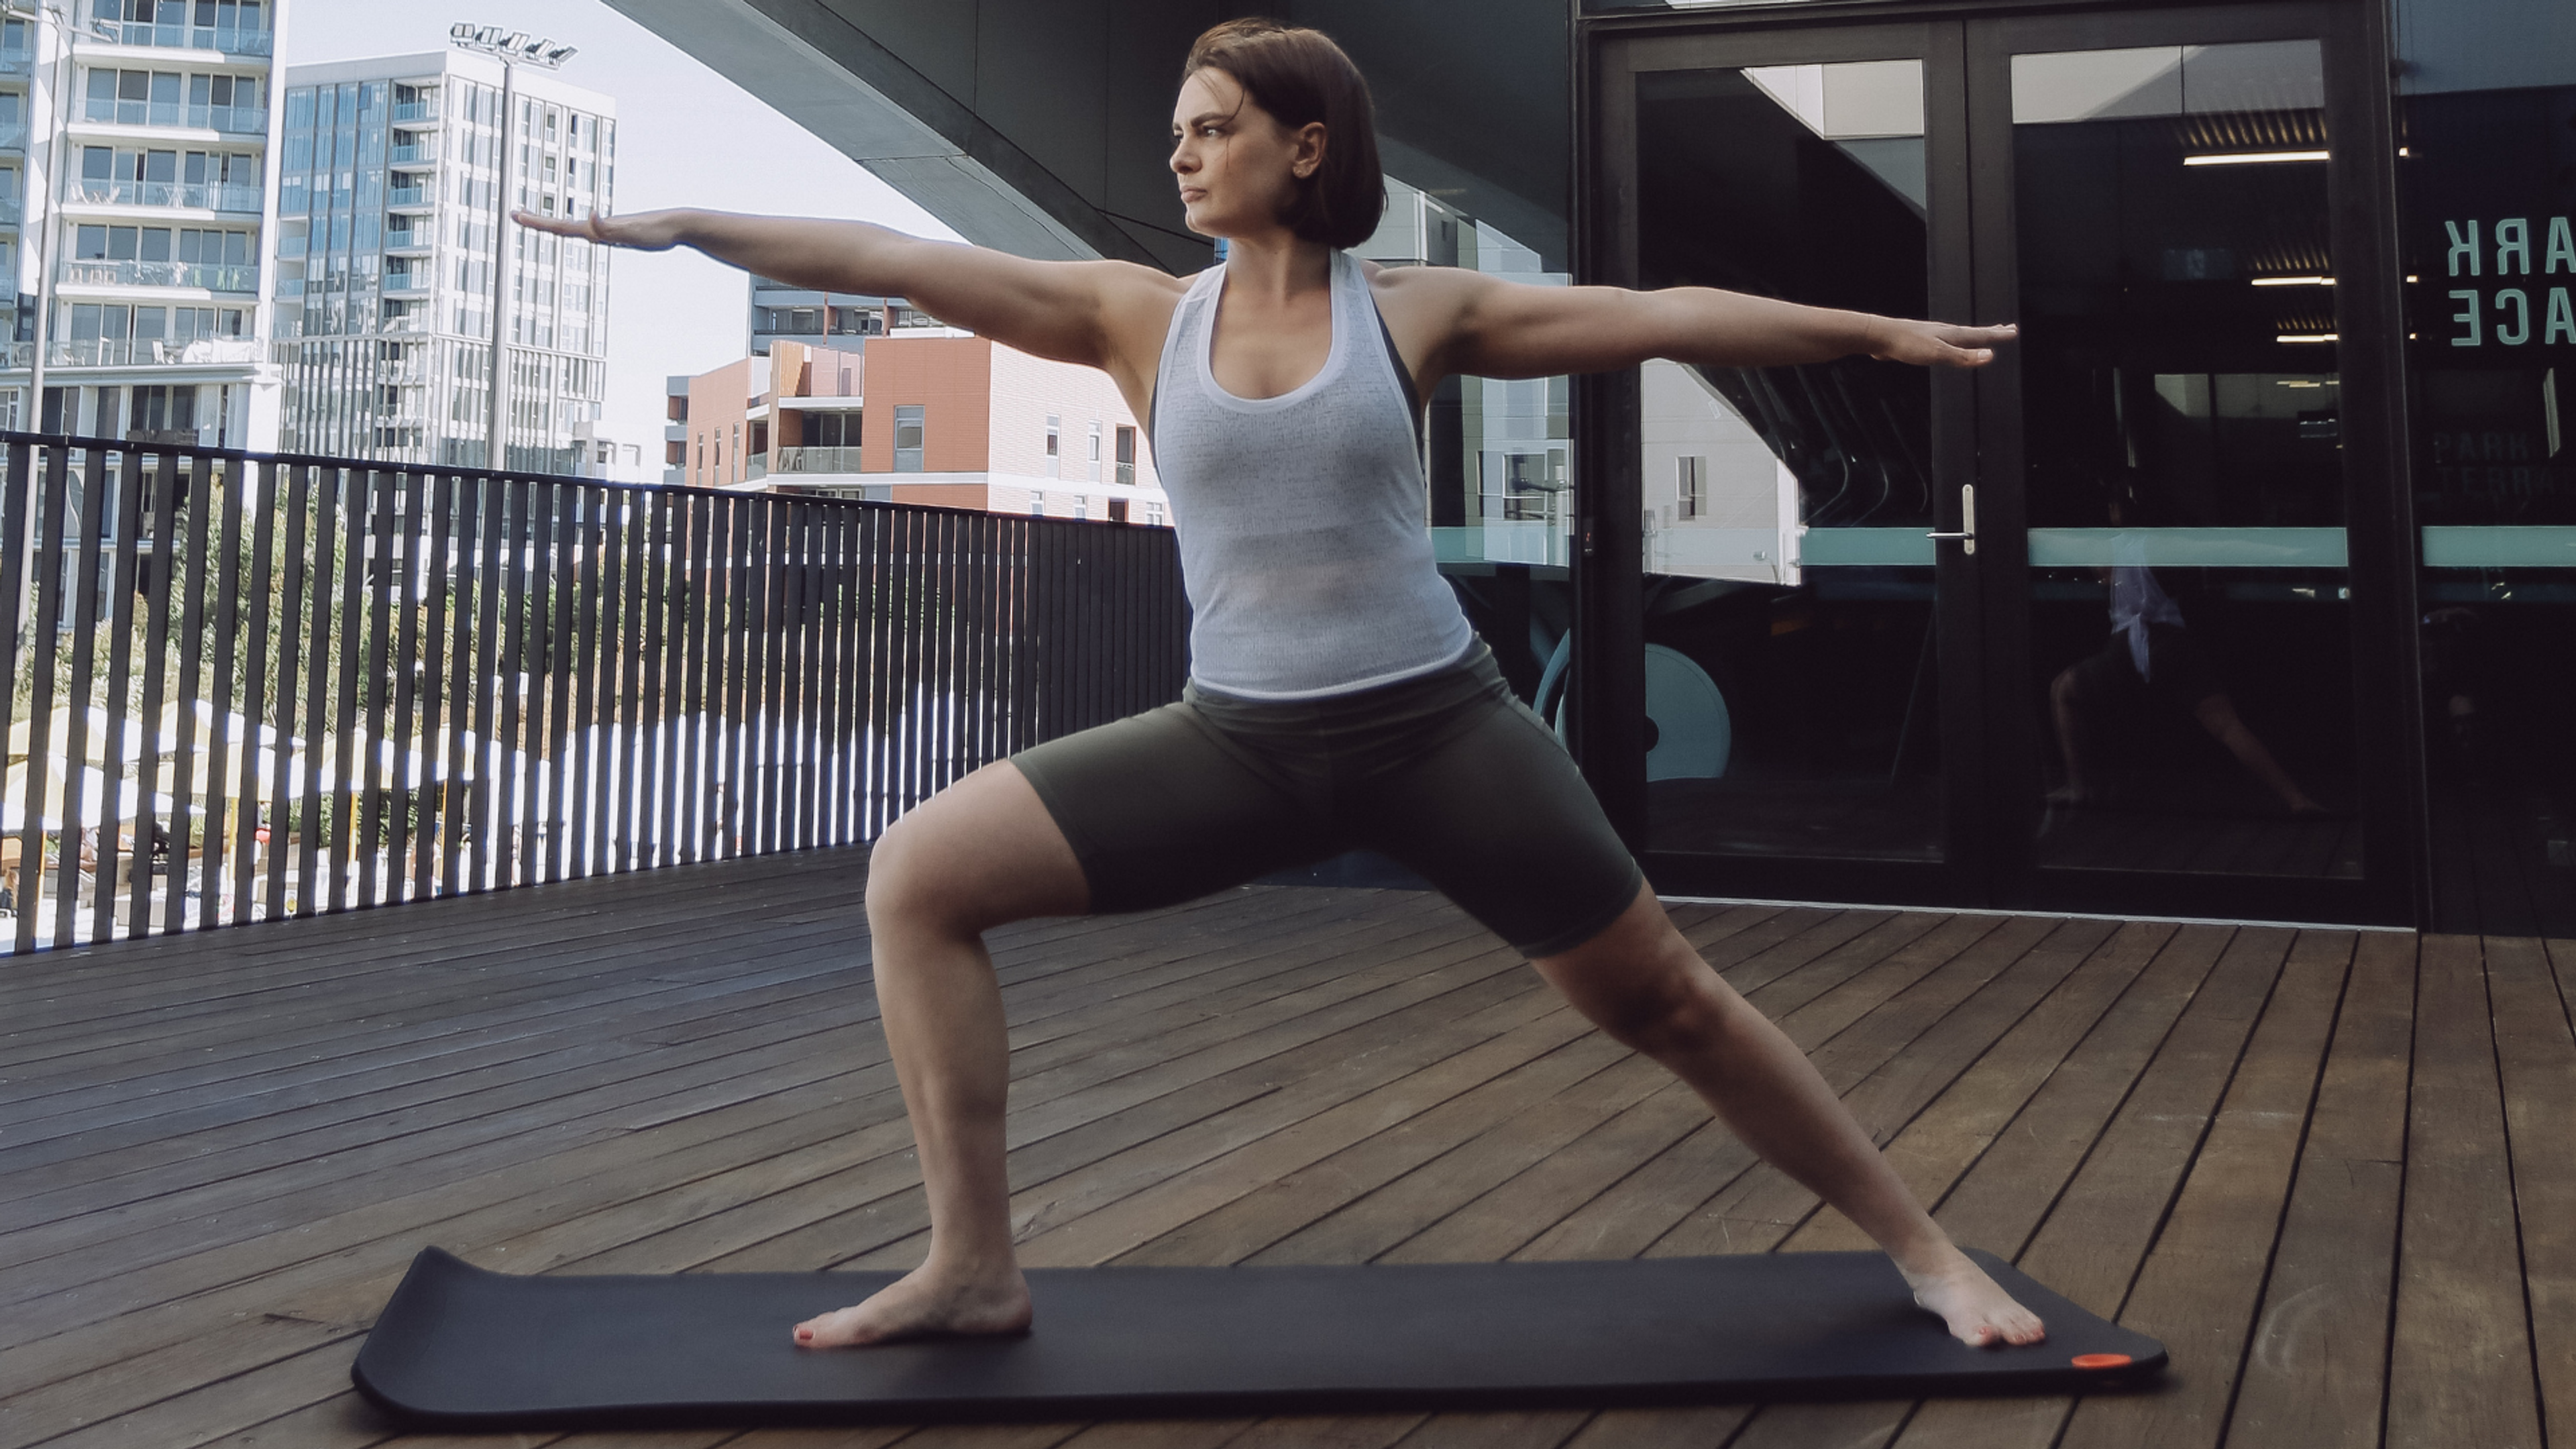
(459, 1347)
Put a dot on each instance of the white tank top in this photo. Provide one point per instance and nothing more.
(1304, 546)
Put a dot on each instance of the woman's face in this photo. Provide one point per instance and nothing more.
(1238, 167)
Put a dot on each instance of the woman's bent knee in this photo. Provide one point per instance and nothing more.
(982, 853)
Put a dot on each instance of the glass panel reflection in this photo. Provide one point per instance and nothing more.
(1791, 680)
(2189, 630)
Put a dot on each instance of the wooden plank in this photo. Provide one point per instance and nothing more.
(1939, 1144)
(2199, 1288)
(895, 1107)
(1860, 1425)
(529, 1016)
(1141, 1000)
(2460, 1361)
(1348, 1210)
(1938, 1024)
(1392, 1217)
(2087, 1237)
(545, 1206)
(1693, 1428)
(2316, 1366)
(2537, 1056)
(1644, 1206)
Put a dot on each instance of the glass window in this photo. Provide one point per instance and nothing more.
(2183, 473)
(908, 434)
(1789, 594)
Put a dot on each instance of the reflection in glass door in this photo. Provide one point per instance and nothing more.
(1792, 675)
(2190, 647)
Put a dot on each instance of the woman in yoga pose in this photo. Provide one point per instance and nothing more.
(1337, 696)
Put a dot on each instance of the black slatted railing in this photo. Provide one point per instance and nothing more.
(249, 687)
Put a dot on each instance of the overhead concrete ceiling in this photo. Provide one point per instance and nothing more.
(1040, 126)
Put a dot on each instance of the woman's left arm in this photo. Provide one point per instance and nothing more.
(1480, 325)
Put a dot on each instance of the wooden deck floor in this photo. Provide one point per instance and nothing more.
(2296, 1156)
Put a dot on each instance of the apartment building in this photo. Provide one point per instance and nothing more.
(391, 195)
(783, 312)
(135, 142)
(927, 415)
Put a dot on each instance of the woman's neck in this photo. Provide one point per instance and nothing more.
(1273, 268)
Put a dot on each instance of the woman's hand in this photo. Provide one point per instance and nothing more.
(645, 231)
(1936, 344)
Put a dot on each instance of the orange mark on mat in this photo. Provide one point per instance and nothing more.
(2102, 1360)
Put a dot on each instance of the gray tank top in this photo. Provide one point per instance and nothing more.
(1304, 547)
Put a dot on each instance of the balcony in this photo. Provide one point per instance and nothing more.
(143, 352)
(18, 62)
(817, 460)
(411, 198)
(409, 243)
(12, 211)
(407, 284)
(222, 39)
(418, 153)
(237, 120)
(13, 134)
(192, 195)
(213, 278)
(408, 113)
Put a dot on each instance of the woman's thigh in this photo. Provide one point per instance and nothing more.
(1158, 811)
(978, 854)
(1498, 817)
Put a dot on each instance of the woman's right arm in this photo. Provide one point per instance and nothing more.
(1068, 311)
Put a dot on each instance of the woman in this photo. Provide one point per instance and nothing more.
(1337, 696)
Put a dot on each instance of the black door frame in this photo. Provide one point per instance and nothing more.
(1983, 621)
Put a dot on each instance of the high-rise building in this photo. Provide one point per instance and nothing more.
(390, 197)
(135, 138)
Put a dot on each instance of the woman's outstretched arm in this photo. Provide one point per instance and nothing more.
(1488, 327)
(1069, 311)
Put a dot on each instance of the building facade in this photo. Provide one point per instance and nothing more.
(780, 312)
(395, 175)
(927, 415)
(135, 150)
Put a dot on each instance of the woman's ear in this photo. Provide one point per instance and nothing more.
(1310, 151)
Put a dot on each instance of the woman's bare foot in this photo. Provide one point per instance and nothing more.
(1980, 1313)
(921, 1304)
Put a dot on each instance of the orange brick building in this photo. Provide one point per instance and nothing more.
(925, 415)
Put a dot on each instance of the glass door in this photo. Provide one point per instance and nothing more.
(2171, 581)
(1806, 648)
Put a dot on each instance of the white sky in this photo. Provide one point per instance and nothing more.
(686, 136)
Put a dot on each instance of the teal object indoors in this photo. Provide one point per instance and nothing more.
(1691, 734)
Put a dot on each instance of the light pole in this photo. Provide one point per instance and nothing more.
(509, 47)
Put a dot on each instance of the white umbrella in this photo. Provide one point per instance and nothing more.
(101, 800)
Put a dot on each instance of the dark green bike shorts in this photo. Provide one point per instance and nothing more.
(1448, 773)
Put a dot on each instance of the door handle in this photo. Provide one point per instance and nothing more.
(1967, 534)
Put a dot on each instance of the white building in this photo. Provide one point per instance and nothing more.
(389, 201)
(841, 321)
(135, 150)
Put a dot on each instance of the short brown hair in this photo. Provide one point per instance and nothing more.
(1300, 77)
